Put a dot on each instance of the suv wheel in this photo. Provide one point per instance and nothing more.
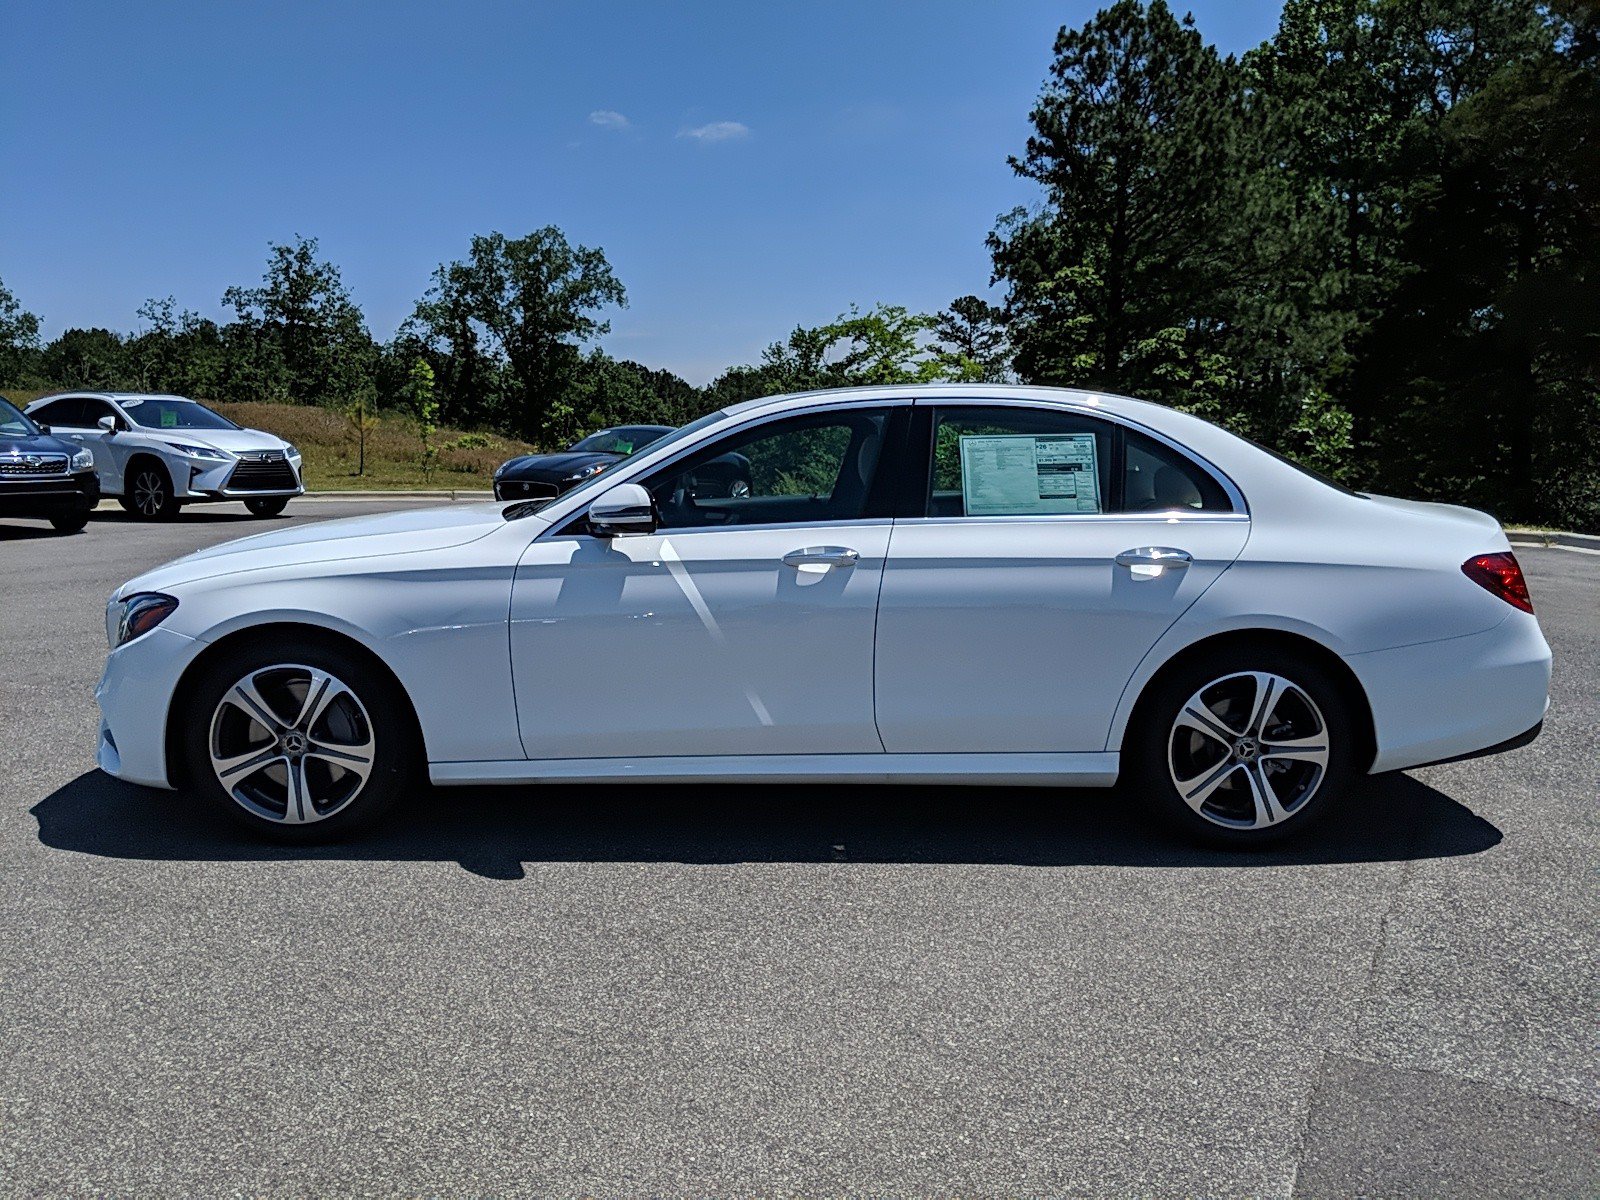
(267, 506)
(149, 493)
(300, 742)
(70, 522)
(1244, 748)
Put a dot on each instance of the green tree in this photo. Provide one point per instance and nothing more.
(19, 341)
(420, 398)
(302, 316)
(529, 304)
(972, 343)
(87, 358)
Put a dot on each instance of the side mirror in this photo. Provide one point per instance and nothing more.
(109, 424)
(626, 508)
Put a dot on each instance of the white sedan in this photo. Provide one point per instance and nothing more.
(924, 585)
(156, 453)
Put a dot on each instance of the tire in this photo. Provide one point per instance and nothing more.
(1197, 753)
(351, 757)
(70, 522)
(267, 506)
(148, 492)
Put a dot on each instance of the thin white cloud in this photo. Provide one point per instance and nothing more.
(717, 131)
(607, 119)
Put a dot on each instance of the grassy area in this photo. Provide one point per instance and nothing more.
(394, 448)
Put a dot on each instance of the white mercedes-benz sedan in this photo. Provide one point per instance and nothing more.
(968, 584)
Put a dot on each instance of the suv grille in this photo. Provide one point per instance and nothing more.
(517, 489)
(262, 471)
(30, 465)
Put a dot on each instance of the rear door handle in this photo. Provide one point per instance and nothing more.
(823, 556)
(1155, 556)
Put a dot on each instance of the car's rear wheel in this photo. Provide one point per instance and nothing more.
(1244, 748)
(70, 522)
(299, 742)
(267, 506)
(148, 494)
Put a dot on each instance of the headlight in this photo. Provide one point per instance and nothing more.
(586, 473)
(133, 615)
(292, 451)
(504, 467)
(83, 460)
(204, 452)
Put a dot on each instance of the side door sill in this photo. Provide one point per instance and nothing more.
(1087, 769)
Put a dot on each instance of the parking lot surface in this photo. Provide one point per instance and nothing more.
(783, 989)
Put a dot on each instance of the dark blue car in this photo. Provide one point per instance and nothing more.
(42, 476)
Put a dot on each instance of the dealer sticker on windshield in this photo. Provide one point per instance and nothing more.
(1014, 475)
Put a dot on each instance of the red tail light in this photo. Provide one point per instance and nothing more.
(1500, 574)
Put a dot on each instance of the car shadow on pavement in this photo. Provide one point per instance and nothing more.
(195, 515)
(493, 832)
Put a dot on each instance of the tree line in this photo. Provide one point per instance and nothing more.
(1371, 242)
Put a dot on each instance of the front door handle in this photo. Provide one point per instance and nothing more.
(1155, 556)
(77, 437)
(822, 556)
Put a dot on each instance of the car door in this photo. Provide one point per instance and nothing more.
(111, 450)
(742, 626)
(1045, 555)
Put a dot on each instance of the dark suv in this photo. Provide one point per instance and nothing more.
(42, 476)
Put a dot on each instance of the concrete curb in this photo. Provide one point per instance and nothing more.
(1554, 537)
(440, 495)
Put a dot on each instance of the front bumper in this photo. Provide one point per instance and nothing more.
(134, 694)
(46, 497)
(1456, 698)
(238, 479)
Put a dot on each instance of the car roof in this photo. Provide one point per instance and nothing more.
(115, 397)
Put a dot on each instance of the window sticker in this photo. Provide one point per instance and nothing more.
(1019, 475)
(132, 403)
(169, 418)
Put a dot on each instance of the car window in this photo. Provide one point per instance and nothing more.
(67, 411)
(160, 412)
(1159, 479)
(12, 422)
(1002, 461)
(93, 410)
(625, 441)
(792, 471)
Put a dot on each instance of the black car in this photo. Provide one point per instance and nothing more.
(541, 476)
(42, 476)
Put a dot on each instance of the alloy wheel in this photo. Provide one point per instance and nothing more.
(292, 744)
(149, 493)
(1248, 750)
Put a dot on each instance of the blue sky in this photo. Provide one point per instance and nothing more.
(746, 166)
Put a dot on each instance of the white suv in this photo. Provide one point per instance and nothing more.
(155, 453)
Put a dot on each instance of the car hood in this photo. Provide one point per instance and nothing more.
(409, 532)
(34, 443)
(234, 441)
(555, 466)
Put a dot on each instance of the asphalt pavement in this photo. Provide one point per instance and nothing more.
(766, 990)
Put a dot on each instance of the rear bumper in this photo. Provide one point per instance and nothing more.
(1458, 698)
(46, 497)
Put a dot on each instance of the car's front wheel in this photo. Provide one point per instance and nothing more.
(267, 506)
(149, 493)
(301, 742)
(70, 522)
(1244, 748)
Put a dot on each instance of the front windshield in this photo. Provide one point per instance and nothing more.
(603, 479)
(171, 413)
(12, 422)
(625, 441)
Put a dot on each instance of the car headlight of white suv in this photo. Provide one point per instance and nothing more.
(206, 453)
